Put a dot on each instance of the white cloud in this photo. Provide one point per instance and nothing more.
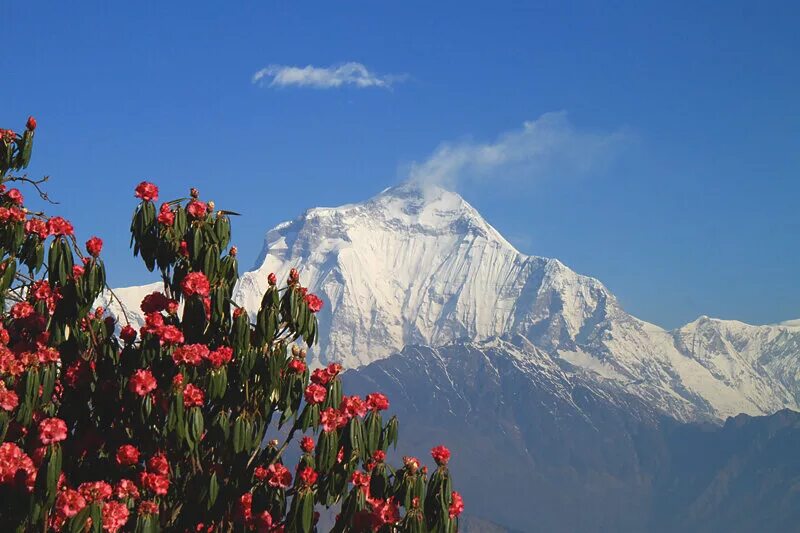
(352, 73)
(549, 146)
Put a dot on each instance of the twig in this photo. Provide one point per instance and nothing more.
(42, 194)
(121, 305)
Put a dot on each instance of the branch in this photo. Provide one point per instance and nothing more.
(121, 305)
(42, 194)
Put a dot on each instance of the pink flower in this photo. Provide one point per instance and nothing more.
(52, 430)
(115, 515)
(314, 302)
(94, 246)
(196, 209)
(278, 476)
(315, 394)
(193, 396)
(456, 505)
(377, 402)
(195, 283)
(190, 354)
(60, 226)
(127, 455)
(142, 382)
(69, 503)
(308, 476)
(147, 191)
(307, 444)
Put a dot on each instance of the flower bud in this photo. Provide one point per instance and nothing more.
(31, 124)
(295, 350)
(272, 279)
(234, 251)
(194, 193)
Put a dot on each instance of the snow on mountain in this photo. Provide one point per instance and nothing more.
(419, 266)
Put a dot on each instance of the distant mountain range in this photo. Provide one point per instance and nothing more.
(565, 413)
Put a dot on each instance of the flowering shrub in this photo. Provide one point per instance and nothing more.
(106, 428)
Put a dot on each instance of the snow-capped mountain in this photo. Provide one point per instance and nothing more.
(417, 265)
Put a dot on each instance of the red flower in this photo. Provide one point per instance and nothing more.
(196, 209)
(315, 394)
(12, 461)
(220, 356)
(69, 503)
(190, 354)
(377, 402)
(379, 456)
(333, 369)
(115, 515)
(308, 476)
(31, 124)
(353, 406)
(320, 376)
(52, 430)
(456, 505)
(297, 366)
(142, 382)
(193, 396)
(195, 283)
(272, 279)
(294, 275)
(385, 512)
(158, 464)
(314, 302)
(128, 334)
(155, 302)
(170, 335)
(278, 476)
(15, 196)
(77, 271)
(35, 226)
(127, 455)
(60, 226)
(147, 507)
(260, 473)
(263, 522)
(94, 246)
(126, 489)
(148, 192)
(307, 444)
(441, 455)
(95, 491)
(360, 479)
(155, 483)
(331, 419)
(166, 216)
(21, 310)
(8, 398)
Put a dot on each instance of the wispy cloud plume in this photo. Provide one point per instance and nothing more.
(353, 74)
(549, 146)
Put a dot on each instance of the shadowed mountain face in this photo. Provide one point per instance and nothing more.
(536, 450)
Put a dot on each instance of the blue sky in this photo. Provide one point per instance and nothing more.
(671, 130)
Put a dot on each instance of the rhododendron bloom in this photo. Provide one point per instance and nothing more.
(147, 507)
(314, 302)
(95, 491)
(142, 382)
(126, 488)
(166, 216)
(147, 191)
(69, 503)
(31, 123)
(38, 227)
(193, 396)
(170, 335)
(307, 444)
(272, 279)
(377, 402)
(308, 476)
(263, 522)
(315, 393)
(441, 455)
(60, 226)
(360, 479)
(8, 398)
(220, 356)
(115, 515)
(330, 419)
(294, 275)
(155, 483)
(353, 406)
(127, 455)
(297, 365)
(456, 505)
(158, 464)
(196, 209)
(52, 430)
(379, 456)
(155, 302)
(127, 334)
(320, 376)
(190, 354)
(15, 196)
(21, 310)
(94, 246)
(195, 283)
(77, 271)
(278, 476)
(260, 473)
